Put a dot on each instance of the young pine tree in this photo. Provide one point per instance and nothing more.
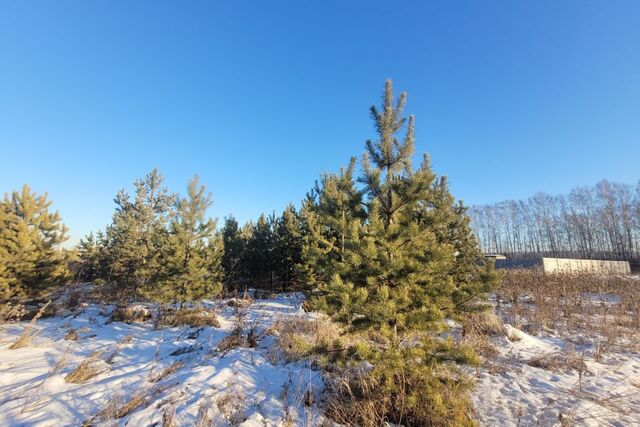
(331, 219)
(234, 243)
(288, 249)
(413, 262)
(33, 262)
(193, 253)
(258, 257)
(137, 234)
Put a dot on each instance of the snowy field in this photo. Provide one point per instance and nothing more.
(154, 376)
(183, 376)
(544, 380)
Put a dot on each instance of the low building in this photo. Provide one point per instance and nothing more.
(566, 265)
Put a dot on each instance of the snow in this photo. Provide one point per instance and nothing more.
(254, 387)
(242, 386)
(510, 392)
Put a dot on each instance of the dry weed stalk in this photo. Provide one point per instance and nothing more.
(24, 339)
(169, 370)
(91, 367)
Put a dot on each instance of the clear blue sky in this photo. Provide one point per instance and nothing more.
(259, 98)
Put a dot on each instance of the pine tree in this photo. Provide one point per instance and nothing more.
(7, 279)
(93, 257)
(193, 253)
(414, 259)
(234, 243)
(137, 233)
(409, 264)
(258, 257)
(288, 249)
(30, 239)
(331, 219)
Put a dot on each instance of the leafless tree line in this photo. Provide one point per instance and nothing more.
(590, 222)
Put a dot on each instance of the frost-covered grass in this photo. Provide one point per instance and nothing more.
(136, 374)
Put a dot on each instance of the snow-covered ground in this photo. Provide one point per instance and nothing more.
(567, 384)
(241, 386)
(511, 392)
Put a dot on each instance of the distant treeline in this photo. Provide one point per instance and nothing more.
(590, 222)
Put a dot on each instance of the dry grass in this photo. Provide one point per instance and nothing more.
(195, 317)
(598, 307)
(130, 314)
(479, 328)
(557, 361)
(91, 367)
(117, 407)
(232, 406)
(233, 340)
(72, 335)
(203, 417)
(169, 370)
(24, 340)
(298, 336)
(169, 415)
(484, 323)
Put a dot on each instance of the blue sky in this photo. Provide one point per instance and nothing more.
(259, 98)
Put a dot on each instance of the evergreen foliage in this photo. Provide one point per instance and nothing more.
(258, 257)
(234, 243)
(287, 251)
(31, 260)
(192, 254)
(158, 246)
(409, 259)
(392, 260)
(136, 236)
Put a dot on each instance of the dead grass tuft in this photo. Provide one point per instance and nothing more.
(231, 341)
(484, 323)
(130, 314)
(232, 407)
(117, 408)
(169, 370)
(556, 361)
(91, 367)
(72, 335)
(24, 340)
(298, 336)
(195, 317)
